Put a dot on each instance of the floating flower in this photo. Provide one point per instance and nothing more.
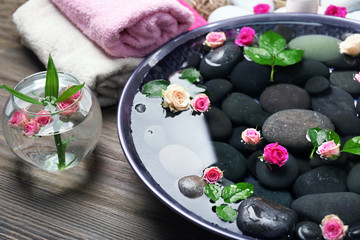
(333, 10)
(212, 174)
(251, 136)
(261, 8)
(31, 128)
(329, 150)
(245, 37)
(357, 77)
(351, 45)
(18, 119)
(333, 228)
(176, 98)
(200, 103)
(215, 39)
(275, 154)
(66, 109)
(43, 118)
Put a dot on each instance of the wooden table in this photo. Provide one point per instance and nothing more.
(102, 198)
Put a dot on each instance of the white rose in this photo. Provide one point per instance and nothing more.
(176, 98)
(351, 45)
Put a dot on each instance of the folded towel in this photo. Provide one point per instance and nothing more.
(126, 28)
(198, 19)
(46, 31)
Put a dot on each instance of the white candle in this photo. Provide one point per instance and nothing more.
(310, 6)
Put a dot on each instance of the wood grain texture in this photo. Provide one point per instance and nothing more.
(102, 198)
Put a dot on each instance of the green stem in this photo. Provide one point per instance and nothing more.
(60, 152)
(272, 73)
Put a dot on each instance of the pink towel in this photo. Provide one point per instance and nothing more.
(128, 28)
(198, 19)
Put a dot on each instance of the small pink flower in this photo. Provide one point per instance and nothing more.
(357, 77)
(329, 150)
(43, 118)
(333, 228)
(251, 136)
(18, 119)
(212, 174)
(275, 154)
(66, 105)
(200, 103)
(333, 10)
(245, 37)
(261, 8)
(31, 128)
(215, 39)
(75, 96)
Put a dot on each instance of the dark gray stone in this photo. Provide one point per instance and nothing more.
(191, 186)
(353, 232)
(353, 179)
(358, 106)
(307, 230)
(287, 32)
(219, 124)
(316, 85)
(218, 89)
(303, 163)
(252, 161)
(346, 124)
(345, 80)
(317, 161)
(264, 219)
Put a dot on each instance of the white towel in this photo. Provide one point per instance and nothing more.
(45, 31)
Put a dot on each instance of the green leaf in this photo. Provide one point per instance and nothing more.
(352, 146)
(238, 191)
(52, 80)
(190, 74)
(20, 95)
(69, 92)
(288, 57)
(213, 191)
(154, 88)
(259, 55)
(273, 42)
(226, 213)
(331, 135)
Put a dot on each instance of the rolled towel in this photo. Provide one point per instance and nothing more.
(44, 30)
(198, 19)
(126, 28)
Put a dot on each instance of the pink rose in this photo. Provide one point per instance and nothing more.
(200, 103)
(333, 228)
(245, 37)
(18, 119)
(275, 154)
(261, 8)
(75, 96)
(43, 118)
(215, 39)
(357, 77)
(31, 128)
(212, 174)
(329, 150)
(65, 109)
(333, 10)
(251, 136)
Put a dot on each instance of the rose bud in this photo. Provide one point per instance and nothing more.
(18, 119)
(31, 128)
(251, 136)
(200, 103)
(333, 228)
(215, 39)
(212, 174)
(245, 37)
(329, 150)
(275, 154)
(43, 118)
(176, 98)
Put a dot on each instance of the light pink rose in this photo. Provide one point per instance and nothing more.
(333, 10)
(357, 77)
(75, 96)
(18, 119)
(212, 174)
(215, 39)
(251, 136)
(200, 103)
(31, 128)
(176, 98)
(351, 45)
(66, 105)
(245, 37)
(261, 8)
(333, 228)
(329, 150)
(275, 154)
(43, 118)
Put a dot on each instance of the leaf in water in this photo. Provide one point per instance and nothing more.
(273, 42)
(226, 213)
(238, 191)
(154, 88)
(259, 55)
(331, 135)
(69, 92)
(213, 191)
(190, 74)
(288, 57)
(52, 80)
(20, 95)
(352, 146)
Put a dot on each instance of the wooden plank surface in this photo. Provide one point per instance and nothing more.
(102, 198)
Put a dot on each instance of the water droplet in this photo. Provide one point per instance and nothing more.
(140, 108)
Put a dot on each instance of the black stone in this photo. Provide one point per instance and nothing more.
(323, 179)
(257, 118)
(346, 124)
(287, 32)
(220, 62)
(358, 106)
(303, 163)
(193, 61)
(250, 78)
(218, 89)
(316, 85)
(307, 230)
(317, 161)
(345, 80)
(315, 207)
(219, 124)
(192, 186)
(353, 232)
(252, 161)
(353, 179)
(284, 96)
(264, 219)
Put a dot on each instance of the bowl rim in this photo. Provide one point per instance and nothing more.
(125, 102)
